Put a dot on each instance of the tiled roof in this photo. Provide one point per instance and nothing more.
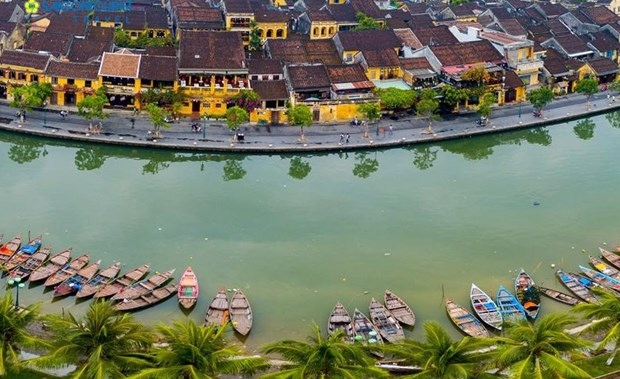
(268, 15)
(551, 9)
(467, 53)
(603, 41)
(72, 70)
(164, 51)
(320, 16)
(512, 27)
(6, 10)
(154, 67)
(293, 50)
(600, 15)
(346, 73)
(512, 80)
(265, 66)
(86, 50)
(6, 26)
(415, 63)
(501, 13)
(603, 66)
(209, 17)
(408, 38)
(314, 4)
(381, 58)
(304, 77)
(420, 21)
(70, 23)
(368, 40)
(99, 33)
(24, 59)
(270, 89)
(238, 6)
(557, 65)
(56, 44)
(435, 36)
(572, 44)
(344, 13)
(211, 50)
(418, 8)
(557, 28)
(156, 18)
(518, 4)
(121, 65)
(367, 7)
(534, 14)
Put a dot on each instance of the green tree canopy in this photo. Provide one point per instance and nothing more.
(607, 314)
(540, 97)
(30, 96)
(91, 108)
(195, 351)
(484, 108)
(157, 116)
(102, 344)
(235, 116)
(300, 115)
(321, 358)
(539, 350)
(365, 22)
(246, 99)
(255, 40)
(394, 98)
(453, 96)
(427, 107)
(587, 87)
(371, 111)
(13, 333)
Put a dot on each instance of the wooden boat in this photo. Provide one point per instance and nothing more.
(604, 267)
(386, 323)
(339, 319)
(397, 307)
(126, 280)
(584, 280)
(55, 263)
(465, 321)
(576, 287)
(525, 291)
(152, 297)
(104, 277)
(74, 283)
(143, 286)
(600, 278)
(612, 258)
(559, 296)
(217, 313)
(365, 331)
(188, 289)
(240, 313)
(509, 306)
(67, 271)
(485, 307)
(23, 254)
(8, 250)
(34, 262)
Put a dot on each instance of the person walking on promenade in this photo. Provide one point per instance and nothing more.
(341, 138)
(348, 136)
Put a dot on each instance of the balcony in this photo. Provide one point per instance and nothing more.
(119, 90)
(529, 65)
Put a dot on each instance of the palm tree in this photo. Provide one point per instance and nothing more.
(441, 357)
(542, 349)
(607, 316)
(195, 351)
(102, 344)
(322, 358)
(13, 333)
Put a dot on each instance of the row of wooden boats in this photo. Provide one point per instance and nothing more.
(384, 323)
(236, 310)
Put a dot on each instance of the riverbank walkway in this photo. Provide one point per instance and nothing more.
(125, 128)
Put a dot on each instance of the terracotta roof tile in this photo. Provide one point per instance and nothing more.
(415, 63)
(85, 50)
(265, 66)
(24, 59)
(304, 51)
(408, 38)
(467, 53)
(368, 40)
(270, 89)
(190, 17)
(344, 13)
(381, 58)
(164, 51)
(603, 66)
(56, 44)
(70, 23)
(121, 65)
(72, 70)
(154, 67)
(156, 18)
(304, 77)
(435, 36)
(211, 50)
(600, 15)
(572, 44)
(99, 33)
(346, 73)
(367, 7)
(238, 6)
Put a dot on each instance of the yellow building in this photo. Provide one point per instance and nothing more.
(119, 73)
(71, 81)
(317, 24)
(238, 15)
(381, 64)
(19, 68)
(272, 24)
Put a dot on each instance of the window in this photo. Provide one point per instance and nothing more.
(254, 77)
(88, 84)
(11, 75)
(21, 76)
(133, 34)
(276, 77)
(71, 81)
(265, 77)
(34, 78)
(2, 73)
(218, 105)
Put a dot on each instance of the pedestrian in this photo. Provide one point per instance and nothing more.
(348, 136)
(133, 122)
(613, 99)
(391, 130)
(341, 138)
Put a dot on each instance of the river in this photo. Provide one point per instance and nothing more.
(298, 233)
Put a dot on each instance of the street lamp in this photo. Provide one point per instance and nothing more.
(44, 113)
(204, 126)
(17, 284)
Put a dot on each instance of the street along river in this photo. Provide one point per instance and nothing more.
(298, 233)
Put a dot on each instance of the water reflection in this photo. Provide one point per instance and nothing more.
(424, 156)
(90, 158)
(478, 148)
(365, 164)
(25, 150)
(584, 129)
(233, 170)
(299, 168)
(613, 118)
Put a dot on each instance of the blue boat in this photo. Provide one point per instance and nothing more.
(600, 278)
(509, 306)
(485, 308)
(23, 254)
(576, 287)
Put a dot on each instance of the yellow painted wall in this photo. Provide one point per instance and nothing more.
(323, 29)
(585, 71)
(264, 27)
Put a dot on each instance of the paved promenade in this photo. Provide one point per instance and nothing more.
(215, 135)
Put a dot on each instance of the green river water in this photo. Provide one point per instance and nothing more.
(298, 234)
